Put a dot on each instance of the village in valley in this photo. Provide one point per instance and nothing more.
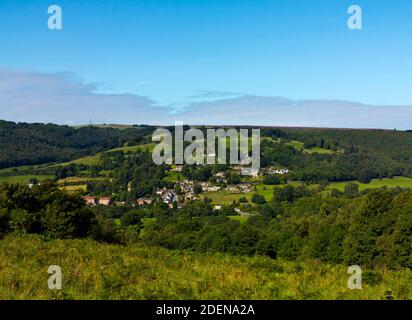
(125, 177)
(186, 191)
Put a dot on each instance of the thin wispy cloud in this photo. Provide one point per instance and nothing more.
(278, 111)
(63, 98)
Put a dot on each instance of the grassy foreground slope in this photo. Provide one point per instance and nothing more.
(98, 271)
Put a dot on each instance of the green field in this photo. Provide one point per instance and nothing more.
(25, 179)
(99, 271)
(80, 187)
(298, 145)
(95, 159)
(402, 182)
(106, 173)
(13, 169)
(226, 197)
(88, 161)
(79, 179)
(142, 147)
(319, 150)
(241, 219)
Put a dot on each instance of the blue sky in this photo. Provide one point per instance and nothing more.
(176, 53)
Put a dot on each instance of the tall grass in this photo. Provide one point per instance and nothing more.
(99, 271)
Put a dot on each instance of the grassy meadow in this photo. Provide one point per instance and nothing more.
(225, 197)
(149, 147)
(25, 179)
(95, 159)
(75, 188)
(99, 271)
(298, 145)
(89, 161)
(239, 218)
(402, 182)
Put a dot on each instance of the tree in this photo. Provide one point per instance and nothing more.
(367, 225)
(131, 218)
(178, 189)
(4, 221)
(105, 230)
(351, 190)
(365, 176)
(197, 189)
(233, 178)
(266, 211)
(335, 193)
(272, 180)
(67, 217)
(243, 200)
(21, 219)
(258, 199)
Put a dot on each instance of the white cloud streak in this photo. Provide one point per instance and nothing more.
(63, 98)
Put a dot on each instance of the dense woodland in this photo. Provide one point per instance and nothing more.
(354, 154)
(371, 229)
(29, 144)
(358, 154)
